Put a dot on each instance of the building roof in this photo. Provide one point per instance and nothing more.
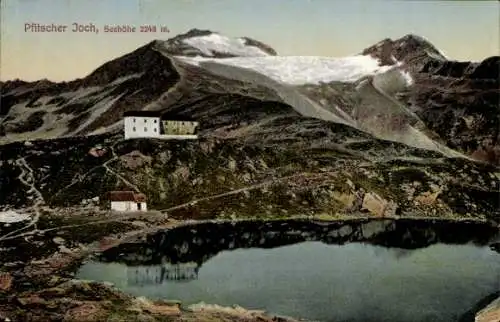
(164, 116)
(126, 196)
(142, 113)
(169, 116)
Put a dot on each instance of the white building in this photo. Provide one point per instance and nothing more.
(141, 124)
(151, 124)
(127, 201)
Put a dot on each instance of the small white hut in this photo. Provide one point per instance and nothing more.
(127, 201)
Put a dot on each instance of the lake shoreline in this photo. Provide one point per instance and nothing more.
(42, 284)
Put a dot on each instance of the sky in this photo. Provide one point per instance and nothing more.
(463, 30)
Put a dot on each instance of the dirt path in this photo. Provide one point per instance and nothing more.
(232, 192)
(163, 212)
(105, 165)
(28, 179)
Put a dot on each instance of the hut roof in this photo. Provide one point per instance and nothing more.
(142, 113)
(126, 196)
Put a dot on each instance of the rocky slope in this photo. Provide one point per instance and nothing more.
(447, 106)
(458, 101)
(44, 109)
(280, 135)
(349, 174)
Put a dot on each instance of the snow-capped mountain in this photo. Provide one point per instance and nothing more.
(301, 70)
(205, 43)
(383, 91)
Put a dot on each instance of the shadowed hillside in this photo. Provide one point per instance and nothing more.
(370, 134)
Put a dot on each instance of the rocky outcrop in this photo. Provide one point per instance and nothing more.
(378, 206)
(5, 281)
(459, 101)
(473, 313)
(412, 50)
(85, 301)
(462, 109)
(487, 70)
(491, 313)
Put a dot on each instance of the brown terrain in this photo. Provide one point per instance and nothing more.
(265, 151)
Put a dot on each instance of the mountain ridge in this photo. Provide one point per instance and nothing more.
(151, 77)
(350, 137)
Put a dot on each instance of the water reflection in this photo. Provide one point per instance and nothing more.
(360, 271)
(160, 274)
(201, 242)
(312, 280)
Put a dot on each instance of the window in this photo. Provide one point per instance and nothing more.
(133, 129)
(133, 119)
(145, 121)
(156, 121)
(154, 129)
(145, 129)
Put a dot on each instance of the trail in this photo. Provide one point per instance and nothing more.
(126, 216)
(237, 191)
(28, 179)
(93, 222)
(81, 177)
(119, 176)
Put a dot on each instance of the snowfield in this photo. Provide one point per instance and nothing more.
(298, 70)
(222, 44)
(377, 84)
(10, 216)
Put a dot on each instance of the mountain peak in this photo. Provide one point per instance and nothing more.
(207, 43)
(416, 42)
(415, 38)
(195, 32)
(410, 49)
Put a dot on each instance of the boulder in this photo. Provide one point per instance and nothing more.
(5, 281)
(378, 206)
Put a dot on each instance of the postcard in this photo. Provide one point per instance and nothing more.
(230, 160)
